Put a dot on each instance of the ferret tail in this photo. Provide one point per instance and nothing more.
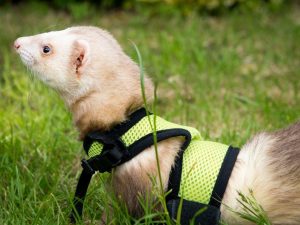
(269, 166)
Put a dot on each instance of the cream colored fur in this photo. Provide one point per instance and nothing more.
(250, 172)
(100, 85)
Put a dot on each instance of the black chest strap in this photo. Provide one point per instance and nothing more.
(193, 212)
(197, 212)
(115, 153)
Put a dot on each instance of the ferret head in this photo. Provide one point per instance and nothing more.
(84, 63)
(72, 60)
(55, 57)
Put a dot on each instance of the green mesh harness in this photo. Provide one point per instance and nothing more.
(200, 174)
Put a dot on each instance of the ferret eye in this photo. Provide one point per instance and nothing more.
(46, 49)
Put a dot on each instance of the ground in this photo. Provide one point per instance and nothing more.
(230, 76)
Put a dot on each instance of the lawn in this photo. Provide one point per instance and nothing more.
(230, 76)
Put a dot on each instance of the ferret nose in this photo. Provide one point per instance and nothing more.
(17, 44)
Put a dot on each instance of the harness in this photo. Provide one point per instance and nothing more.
(198, 179)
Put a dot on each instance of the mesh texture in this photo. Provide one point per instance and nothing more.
(95, 149)
(141, 129)
(201, 164)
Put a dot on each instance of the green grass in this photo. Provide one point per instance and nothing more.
(228, 76)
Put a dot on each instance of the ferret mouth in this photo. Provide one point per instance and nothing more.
(26, 57)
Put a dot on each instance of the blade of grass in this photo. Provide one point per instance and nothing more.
(153, 127)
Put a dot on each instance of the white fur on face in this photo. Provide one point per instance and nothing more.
(52, 68)
(27, 58)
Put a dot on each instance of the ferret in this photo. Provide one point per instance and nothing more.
(100, 85)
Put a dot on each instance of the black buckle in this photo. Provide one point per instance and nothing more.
(87, 167)
(103, 138)
(114, 151)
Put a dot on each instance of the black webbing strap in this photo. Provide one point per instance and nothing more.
(115, 153)
(211, 212)
(81, 189)
(223, 176)
(194, 212)
(112, 156)
(115, 133)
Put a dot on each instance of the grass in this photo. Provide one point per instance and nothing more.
(251, 210)
(228, 76)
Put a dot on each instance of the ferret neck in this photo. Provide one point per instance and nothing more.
(94, 112)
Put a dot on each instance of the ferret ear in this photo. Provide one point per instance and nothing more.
(80, 55)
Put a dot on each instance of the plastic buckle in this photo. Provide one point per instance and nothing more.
(103, 138)
(87, 167)
(113, 155)
(110, 157)
(113, 152)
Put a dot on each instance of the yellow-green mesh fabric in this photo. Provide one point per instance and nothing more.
(141, 129)
(95, 149)
(201, 160)
(201, 164)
